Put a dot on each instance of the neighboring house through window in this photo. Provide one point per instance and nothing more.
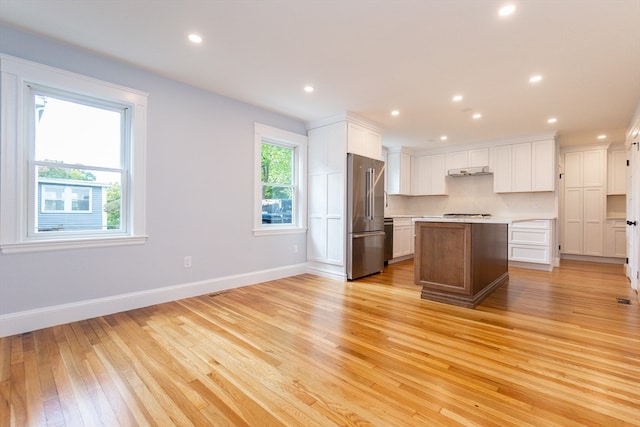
(280, 181)
(72, 154)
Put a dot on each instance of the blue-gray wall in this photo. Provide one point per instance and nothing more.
(199, 194)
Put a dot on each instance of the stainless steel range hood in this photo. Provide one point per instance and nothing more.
(472, 171)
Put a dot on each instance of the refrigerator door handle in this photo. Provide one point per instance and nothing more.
(369, 204)
(369, 234)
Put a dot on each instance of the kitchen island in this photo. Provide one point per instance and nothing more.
(460, 261)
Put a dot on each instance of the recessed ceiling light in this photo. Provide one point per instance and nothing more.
(477, 116)
(507, 10)
(443, 138)
(309, 88)
(457, 98)
(603, 136)
(535, 79)
(194, 38)
(395, 113)
(552, 120)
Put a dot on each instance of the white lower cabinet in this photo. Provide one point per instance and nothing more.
(532, 242)
(402, 237)
(615, 238)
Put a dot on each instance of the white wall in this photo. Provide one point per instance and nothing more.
(199, 203)
(474, 194)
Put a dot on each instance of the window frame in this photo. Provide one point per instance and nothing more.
(17, 161)
(298, 143)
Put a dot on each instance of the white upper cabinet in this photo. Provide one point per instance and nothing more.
(543, 165)
(617, 172)
(584, 168)
(364, 141)
(428, 175)
(398, 173)
(524, 167)
(467, 158)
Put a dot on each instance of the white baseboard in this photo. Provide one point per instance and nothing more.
(588, 258)
(531, 265)
(328, 274)
(31, 320)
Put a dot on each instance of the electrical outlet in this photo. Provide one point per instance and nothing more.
(187, 261)
(295, 249)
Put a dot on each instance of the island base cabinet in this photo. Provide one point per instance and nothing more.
(460, 263)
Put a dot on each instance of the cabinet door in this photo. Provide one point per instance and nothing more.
(521, 167)
(593, 221)
(617, 172)
(543, 174)
(573, 169)
(420, 175)
(457, 159)
(398, 173)
(373, 144)
(502, 169)
(594, 164)
(478, 157)
(615, 240)
(401, 239)
(356, 140)
(573, 221)
(438, 173)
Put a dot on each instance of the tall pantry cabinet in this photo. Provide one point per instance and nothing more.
(329, 141)
(584, 196)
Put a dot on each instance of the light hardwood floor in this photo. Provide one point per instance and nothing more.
(545, 349)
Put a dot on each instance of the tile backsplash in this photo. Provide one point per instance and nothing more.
(474, 194)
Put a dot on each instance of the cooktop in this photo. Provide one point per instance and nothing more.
(466, 215)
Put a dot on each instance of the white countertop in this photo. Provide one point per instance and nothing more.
(470, 220)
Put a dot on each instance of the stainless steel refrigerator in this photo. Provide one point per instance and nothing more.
(365, 216)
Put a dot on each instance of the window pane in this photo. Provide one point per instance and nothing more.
(277, 164)
(74, 199)
(75, 133)
(277, 205)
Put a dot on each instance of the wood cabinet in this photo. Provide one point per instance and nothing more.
(428, 175)
(398, 171)
(524, 167)
(532, 242)
(617, 172)
(460, 263)
(402, 237)
(583, 202)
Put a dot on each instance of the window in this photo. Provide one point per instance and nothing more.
(74, 149)
(280, 181)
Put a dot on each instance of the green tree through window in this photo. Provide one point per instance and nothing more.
(277, 176)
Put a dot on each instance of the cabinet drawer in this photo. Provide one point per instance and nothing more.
(536, 254)
(535, 223)
(529, 236)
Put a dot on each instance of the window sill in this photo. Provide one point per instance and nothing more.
(277, 231)
(59, 244)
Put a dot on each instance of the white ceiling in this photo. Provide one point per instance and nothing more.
(372, 56)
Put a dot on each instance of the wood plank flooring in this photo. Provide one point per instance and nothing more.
(545, 349)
